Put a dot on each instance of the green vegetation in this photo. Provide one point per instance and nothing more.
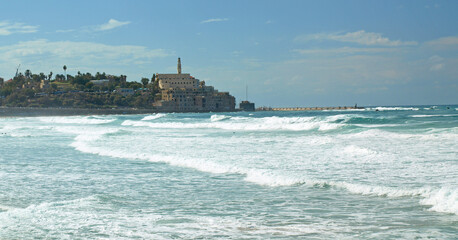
(79, 91)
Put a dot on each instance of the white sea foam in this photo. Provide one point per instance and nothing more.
(66, 219)
(377, 125)
(6, 208)
(443, 200)
(436, 115)
(358, 151)
(439, 200)
(216, 118)
(393, 109)
(343, 117)
(154, 116)
(248, 124)
(78, 120)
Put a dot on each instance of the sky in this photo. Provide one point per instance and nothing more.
(289, 53)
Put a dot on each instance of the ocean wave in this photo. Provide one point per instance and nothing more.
(356, 151)
(154, 116)
(436, 115)
(443, 200)
(78, 120)
(345, 110)
(65, 219)
(439, 200)
(393, 109)
(216, 117)
(6, 208)
(377, 125)
(247, 124)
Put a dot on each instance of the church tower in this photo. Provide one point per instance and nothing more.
(179, 66)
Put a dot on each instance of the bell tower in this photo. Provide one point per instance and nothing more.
(179, 66)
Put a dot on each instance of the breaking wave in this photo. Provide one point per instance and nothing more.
(393, 109)
(154, 116)
(248, 124)
(216, 118)
(425, 116)
(78, 120)
(443, 199)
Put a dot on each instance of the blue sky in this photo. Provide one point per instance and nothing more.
(290, 53)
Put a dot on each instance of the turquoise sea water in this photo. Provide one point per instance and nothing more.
(386, 174)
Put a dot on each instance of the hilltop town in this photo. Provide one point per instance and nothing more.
(171, 92)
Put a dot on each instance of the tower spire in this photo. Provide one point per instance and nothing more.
(179, 66)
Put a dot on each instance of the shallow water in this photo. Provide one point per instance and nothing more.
(383, 174)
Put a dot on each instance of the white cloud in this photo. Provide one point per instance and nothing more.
(65, 31)
(112, 23)
(215, 20)
(436, 67)
(44, 55)
(236, 53)
(443, 43)
(64, 49)
(360, 37)
(343, 50)
(436, 59)
(437, 63)
(8, 28)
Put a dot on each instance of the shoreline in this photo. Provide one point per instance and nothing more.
(56, 111)
(42, 112)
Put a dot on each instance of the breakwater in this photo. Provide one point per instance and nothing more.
(307, 108)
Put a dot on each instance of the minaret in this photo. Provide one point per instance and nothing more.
(179, 66)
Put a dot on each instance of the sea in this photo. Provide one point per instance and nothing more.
(373, 173)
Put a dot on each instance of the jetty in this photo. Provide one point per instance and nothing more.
(308, 108)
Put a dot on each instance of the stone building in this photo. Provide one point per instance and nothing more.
(247, 106)
(181, 92)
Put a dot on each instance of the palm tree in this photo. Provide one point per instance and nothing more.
(28, 73)
(65, 70)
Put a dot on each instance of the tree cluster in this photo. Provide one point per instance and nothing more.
(78, 91)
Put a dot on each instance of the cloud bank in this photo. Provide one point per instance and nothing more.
(8, 28)
(359, 37)
(44, 55)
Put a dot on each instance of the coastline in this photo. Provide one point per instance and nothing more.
(41, 112)
(56, 111)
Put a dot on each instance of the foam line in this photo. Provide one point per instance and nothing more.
(154, 116)
(77, 120)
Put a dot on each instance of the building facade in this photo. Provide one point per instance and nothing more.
(181, 92)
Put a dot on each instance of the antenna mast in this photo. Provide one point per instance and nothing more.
(17, 70)
(246, 92)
